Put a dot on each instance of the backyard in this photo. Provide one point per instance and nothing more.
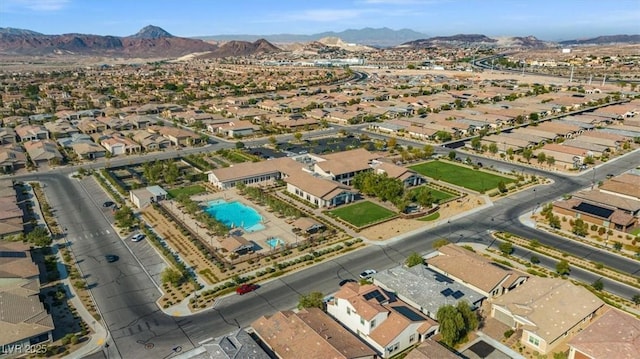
(363, 213)
(475, 180)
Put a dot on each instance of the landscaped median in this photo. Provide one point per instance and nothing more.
(594, 267)
(362, 214)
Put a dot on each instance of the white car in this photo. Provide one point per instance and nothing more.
(137, 237)
(367, 273)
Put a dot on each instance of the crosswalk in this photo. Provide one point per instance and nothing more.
(94, 234)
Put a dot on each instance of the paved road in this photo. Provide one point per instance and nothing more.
(126, 295)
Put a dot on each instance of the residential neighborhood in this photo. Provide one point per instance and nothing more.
(369, 193)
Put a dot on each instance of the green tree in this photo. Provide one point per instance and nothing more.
(124, 217)
(580, 228)
(598, 285)
(413, 260)
(298, 136)
(617, 246)
(563, 268)
(452, 324)
(506, 247)
(427, 151)
(533, 117)
(493, 148)
(551, 160)
(392, 143)
(172, 276)
(452, 155)
(535, 260)
(542, 157)
(39, 236)
(443, 136)
(527, 153)
(554, 221)
(311, 300)
(636, 299)
(476, 143)
(456, 322)
(240, 145)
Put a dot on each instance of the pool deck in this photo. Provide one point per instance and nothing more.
(274, 226)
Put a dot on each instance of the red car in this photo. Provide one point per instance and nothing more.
(246, 288)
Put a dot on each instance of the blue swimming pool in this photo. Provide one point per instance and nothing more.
(235, 214)
(274, 242)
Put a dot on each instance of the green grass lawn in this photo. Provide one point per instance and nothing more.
(438, 195)
(461, 176)
(189, 191)
(431, 217)
(362, 213)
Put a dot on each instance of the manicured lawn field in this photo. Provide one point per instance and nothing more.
(439, 196)
(362, 213)
(189, 191)
(431, 217)
(461, 176)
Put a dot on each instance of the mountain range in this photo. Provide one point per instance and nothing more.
(377, 37)
(154, 42)
(149, 42)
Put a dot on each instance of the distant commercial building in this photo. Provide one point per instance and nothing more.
(145, 196)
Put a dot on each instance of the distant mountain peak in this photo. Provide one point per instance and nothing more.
(18, 32)
(151, 32)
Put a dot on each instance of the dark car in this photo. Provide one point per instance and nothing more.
(108, 204)
(610, 176)
(246, 288)
(345, 281)
(111, 258)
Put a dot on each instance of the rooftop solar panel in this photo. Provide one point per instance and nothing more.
(446, 292)
(457, 294)
(594, 210)
(408, 313)
(12, 254)
(375, 295)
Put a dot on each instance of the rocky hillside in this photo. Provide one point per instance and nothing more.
(602, 40)
(151, 41)
(469, 40)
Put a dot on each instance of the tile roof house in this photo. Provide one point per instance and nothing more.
(23, 318)
(613, 335)
(389, 325)
(31, 133)
(319, 191)
(474, 271)
(596, 213)
(431, 349)
(343, 166)
(43, 152)
(408, 177)
(309, 334)
(11, 222)
(12, 158)
(7, 135)
(626, 185)
(546, 310)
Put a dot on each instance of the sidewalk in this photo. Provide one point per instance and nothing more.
(99, 333)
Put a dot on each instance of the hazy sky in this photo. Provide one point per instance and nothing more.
(545, 19)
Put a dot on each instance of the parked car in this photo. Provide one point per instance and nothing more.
(367, 273)
(107, 204)
(345, 281)
(610, 176)
(137, 237)
(111, 258)
(246, 288)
